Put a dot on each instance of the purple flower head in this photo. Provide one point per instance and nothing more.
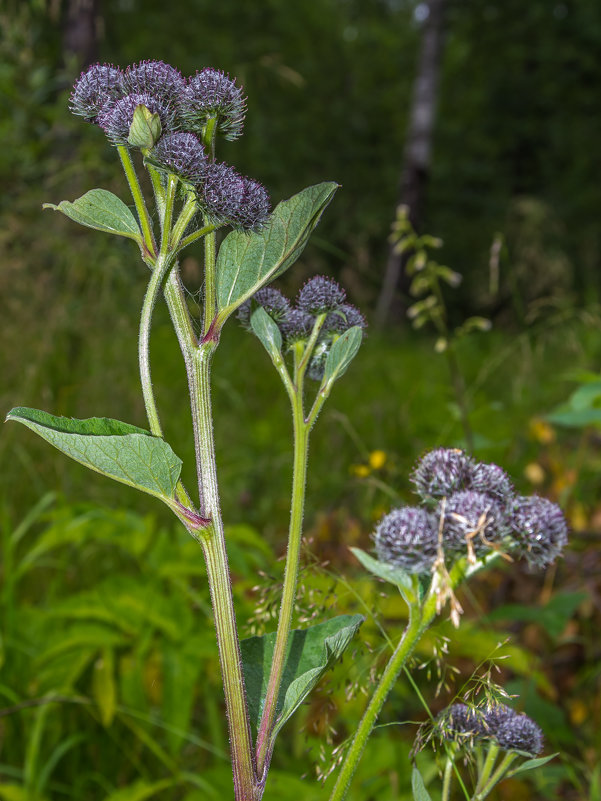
(407, 538)
(272, 300)
(491, 480)
(254, 209)
(115, 119)
(441, 472)
(183, 154)
(514, 732)
(539, 529)
(460, 723)
(212, 94)
(320, 295)
(345, 317)
(155, 78)
(98, 85)
(296, 326)
(223, 192)
(472, 520)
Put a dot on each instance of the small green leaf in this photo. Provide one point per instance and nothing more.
(145, 128)
(341, 354)
(310, 653)
(419, 788)
(104, 690)
(118, 450)
(267, 331)
(248, 261)
(394, 575)
(101, 210)
(531, 764)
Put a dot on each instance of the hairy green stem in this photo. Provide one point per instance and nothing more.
(496, 777)
(446, 779)
(299, 480)
(213, 542)
(487, 768)
(138, 198)
(210, 293)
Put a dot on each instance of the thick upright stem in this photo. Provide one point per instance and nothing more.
(299, 479)
(213, 543)
(210, 296)
(138, 198)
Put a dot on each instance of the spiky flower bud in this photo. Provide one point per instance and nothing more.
(320, 295)
(539, 529)
(460, 722)
(296, 326)
(254, 209)
(407, 538)
(98, 85)
(472, 521)
(116, 118)
(513, 731)
(223, 192)
(212, 94)
(272, 300)
(490, 479)
(344, 317)
(155, 78)
(183, 154)
(441, 472)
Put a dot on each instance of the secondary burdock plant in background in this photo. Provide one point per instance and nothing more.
(469, 515)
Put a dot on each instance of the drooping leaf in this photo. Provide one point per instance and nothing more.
(419, 788)
(102, 210)
(248, 261)
(266, 331)
(394, 575)
(341, 354)
(310, 653)
(104, 689)
(118, 450)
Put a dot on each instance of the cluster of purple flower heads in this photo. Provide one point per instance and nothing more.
(320, 297)
(468, 508)
(509, 729)
(108, 96)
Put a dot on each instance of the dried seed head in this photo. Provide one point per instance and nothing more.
(407, 538)
(539, 530)
(272, 300)
(212, 94)
(98, 85)
(472, 521)
(116, 118)
(320, 295)
(441, 472)
(296, 326)
(183, 154)
(491, 480)
(155, 78)
(346, 316)
(512, 731)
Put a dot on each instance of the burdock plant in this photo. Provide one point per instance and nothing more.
(469, 514)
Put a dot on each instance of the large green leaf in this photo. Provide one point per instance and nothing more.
(247, 261)
(310, 653)
(121, 451)
(102, 210)
(419, 788)
(267, 331)
(341, 354)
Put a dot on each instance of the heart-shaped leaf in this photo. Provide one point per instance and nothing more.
(267, 331)
(101, 210)
(248, 261)
(341, 354)
(121, 451)
(310, 653)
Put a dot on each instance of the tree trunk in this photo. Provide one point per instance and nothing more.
(80, 31)
(418, 147)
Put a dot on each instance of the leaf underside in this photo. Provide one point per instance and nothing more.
(310, 653)
(248, 261)
(118, 450)
(342, 352)
(102, 210)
